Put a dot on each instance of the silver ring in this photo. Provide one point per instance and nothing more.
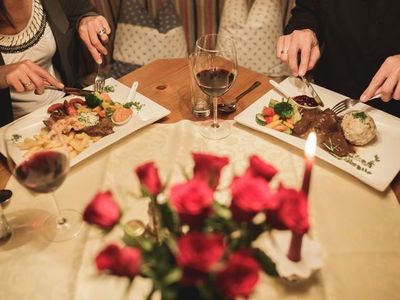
(101, 32)
(27, 84)
(284, 51)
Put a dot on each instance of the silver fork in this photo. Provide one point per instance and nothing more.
(99, 81)
(347, 103)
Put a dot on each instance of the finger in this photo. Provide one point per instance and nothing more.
(41, 77)
(105, 24)
(292, 59)
(396, 94)
(305, 58)
(374, 85)
(94, 29)
(285, 50)
(389, 87)
(314, 56)
(93, 51)
(279, 46)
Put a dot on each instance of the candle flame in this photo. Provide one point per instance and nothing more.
(311, 145)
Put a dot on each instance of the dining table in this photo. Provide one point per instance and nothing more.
(357, 226)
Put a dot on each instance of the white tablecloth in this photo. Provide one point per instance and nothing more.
(359, 228)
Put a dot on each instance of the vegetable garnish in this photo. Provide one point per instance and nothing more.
(359, 115)
(284, 110)
(93, 100)
(281, 116)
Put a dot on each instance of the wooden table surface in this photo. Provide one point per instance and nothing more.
(167, 83)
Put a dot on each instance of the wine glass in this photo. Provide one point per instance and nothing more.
(42, 167)
(215, 69)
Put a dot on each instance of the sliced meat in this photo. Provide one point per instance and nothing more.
(103, 128)
(327, 127)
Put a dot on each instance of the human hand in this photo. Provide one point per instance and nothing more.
(94, 31)
(304, 42)
(26, 76)
(386, 81)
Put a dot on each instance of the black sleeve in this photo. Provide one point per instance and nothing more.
(77, 9)
(305, 15)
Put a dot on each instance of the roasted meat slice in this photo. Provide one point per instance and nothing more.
(103, 128)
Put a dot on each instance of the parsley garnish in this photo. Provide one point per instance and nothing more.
(359, 115)
(109, 88)
(15, 138)
(137, 105)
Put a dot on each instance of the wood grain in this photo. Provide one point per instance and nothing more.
(167, 83)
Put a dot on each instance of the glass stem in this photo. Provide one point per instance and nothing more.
(215, 112)
(60, 219)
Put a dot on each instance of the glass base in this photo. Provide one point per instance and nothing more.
(55, 230)
(210, 131)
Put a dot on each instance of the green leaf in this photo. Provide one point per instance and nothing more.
(167, 218)
(172, 277)
(267, 265)
(222, 211)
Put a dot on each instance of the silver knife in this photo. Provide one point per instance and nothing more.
(312, 90)
(70, 90)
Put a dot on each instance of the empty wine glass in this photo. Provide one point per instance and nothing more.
(215, 69)
(42, 167)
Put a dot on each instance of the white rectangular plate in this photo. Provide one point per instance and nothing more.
(150, 113)
(386, 145)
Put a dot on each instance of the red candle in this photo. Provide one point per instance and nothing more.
(309, 151)
(294, 253)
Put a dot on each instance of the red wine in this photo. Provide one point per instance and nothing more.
(43, 172)
(215, 82)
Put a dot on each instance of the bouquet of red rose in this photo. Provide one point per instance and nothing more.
(195, 247)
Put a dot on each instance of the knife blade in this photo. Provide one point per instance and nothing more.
(312, 91)
(70, 90)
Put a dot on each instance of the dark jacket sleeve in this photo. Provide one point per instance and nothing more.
(305, 15)
(76, 10)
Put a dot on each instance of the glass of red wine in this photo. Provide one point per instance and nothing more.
(215, 69)
(41, 166)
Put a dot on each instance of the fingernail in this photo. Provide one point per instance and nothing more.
(363, 98)
(99, 61)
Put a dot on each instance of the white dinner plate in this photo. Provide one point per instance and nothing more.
(149, 113)
(386, 145)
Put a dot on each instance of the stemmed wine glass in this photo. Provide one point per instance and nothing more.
(215, 69)
(42, 169)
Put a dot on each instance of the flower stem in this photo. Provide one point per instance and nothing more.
(153, 211)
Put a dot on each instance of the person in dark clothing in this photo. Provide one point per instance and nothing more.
(353, 45)
(39, 45)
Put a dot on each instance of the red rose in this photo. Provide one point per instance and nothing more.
(250, 195)
(102, 211)
(240, 276)
(293, 210)
(258, 168)
(192, 200)
(119, 261)
(149, 179)
(197, 253)
(208, 168)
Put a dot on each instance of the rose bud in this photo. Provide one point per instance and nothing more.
(258, 168)
(119, 261)
(208, 168)
(240, 276)
(192, 200)
(250, 195)
(102, 211)
(149, 179)
(197, 253)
